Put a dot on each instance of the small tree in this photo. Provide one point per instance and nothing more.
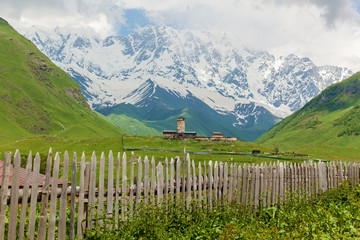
(277, 149)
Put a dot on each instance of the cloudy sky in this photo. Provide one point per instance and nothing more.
(327, 31)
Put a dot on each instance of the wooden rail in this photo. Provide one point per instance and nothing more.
(95, 190)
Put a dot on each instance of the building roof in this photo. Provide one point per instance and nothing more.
(169, 131)
(22, 176)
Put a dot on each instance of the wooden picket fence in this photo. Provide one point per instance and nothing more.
(207, 184)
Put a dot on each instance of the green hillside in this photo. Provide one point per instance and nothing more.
(328, 125)
(37, 98)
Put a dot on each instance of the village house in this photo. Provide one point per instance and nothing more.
(180, 134)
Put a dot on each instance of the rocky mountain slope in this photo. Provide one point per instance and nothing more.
(159, 73)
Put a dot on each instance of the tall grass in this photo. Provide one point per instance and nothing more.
(332, 215)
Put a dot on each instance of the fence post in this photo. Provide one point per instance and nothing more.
(110, 187)
(216, 179)
(100, 206)
(322, 176)
(234, 180)
(274, 184)
(269, 184)
(245, 184)
(225, 188)
(152, 183)
(124, 188)
(73, 198)
(53, 198)
(205, 183)
(131, 196)
(178, 178)
(25, 196)
(183, 178)
(172, 180)
(81, 196)
(166, 183)
(34, 195)
(200, 184)
(239, 177)
(92, 187)
(44, 199)
(138, 185)
(160, 181)
(14, 196)
(221, 181)
(117, 191)
(63, 198)
(4, 192)
(146, 179)
(210, 185)
(188, 182)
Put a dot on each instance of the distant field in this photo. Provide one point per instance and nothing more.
(116, 144)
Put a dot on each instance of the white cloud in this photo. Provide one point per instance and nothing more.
(327, 31)
(99, 16)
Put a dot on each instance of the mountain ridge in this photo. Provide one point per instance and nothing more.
(227, 79)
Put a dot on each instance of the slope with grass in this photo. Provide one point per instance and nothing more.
(37, 98)
(327, 126)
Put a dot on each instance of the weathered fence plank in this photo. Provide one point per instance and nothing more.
(14, 196)
(131, 196)
(210, 185)
(25, 197)
(166, 182)
(225, 182)
(194, 181)
(178, 177)
(230, 184)
(4, 192)
(44, 199)
(92, 188)
(81, 197)
(221, 181)
(72, 199)
(138, 185)
(188, 182)
(239, 177)
(100, 206)
(152, 183)
(63, 198)
(205, 183)
(234, 179)
(172, 179)
(117, 190)
(124, 188)
(160, 183)
(200, 185)
(110, 188)
(53, 198)
(146, 179)
(33, 199)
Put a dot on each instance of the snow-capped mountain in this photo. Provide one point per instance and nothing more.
(162, 68)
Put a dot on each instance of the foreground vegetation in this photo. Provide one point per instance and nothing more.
(333, 215)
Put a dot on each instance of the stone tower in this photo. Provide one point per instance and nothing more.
(180, 124)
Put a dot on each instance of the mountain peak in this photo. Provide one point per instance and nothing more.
(126, 69)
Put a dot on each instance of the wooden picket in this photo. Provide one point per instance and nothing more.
(25, 196)
(207, 184)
